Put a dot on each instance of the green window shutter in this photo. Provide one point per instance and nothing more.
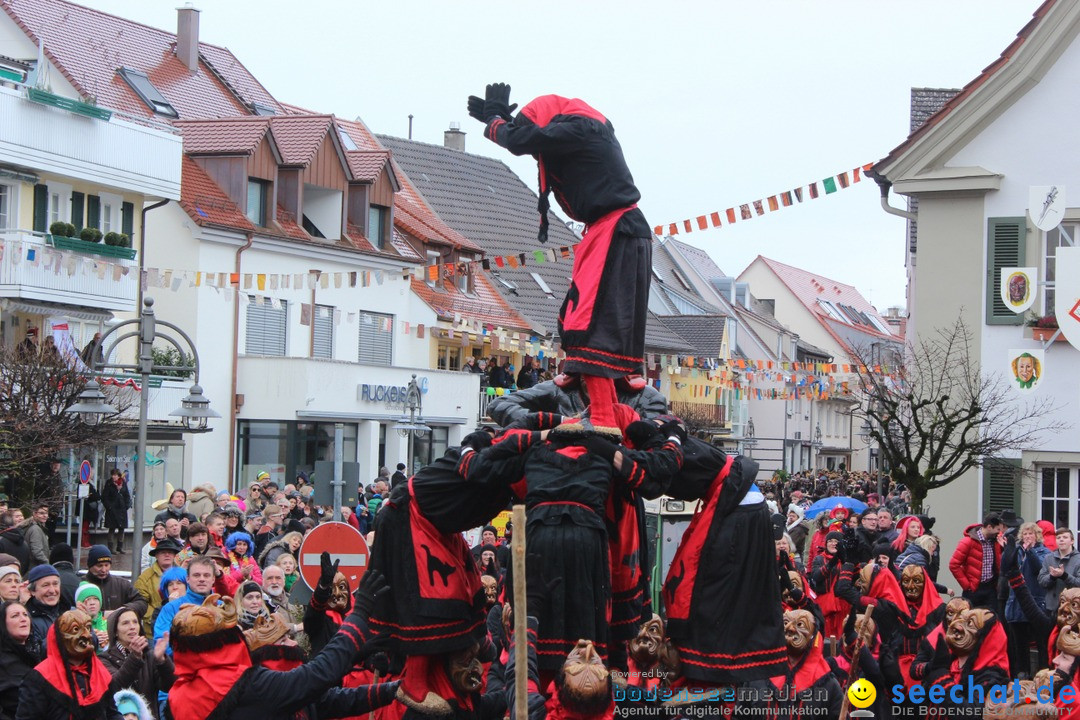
(41, 208)
(127, 220)
(1001, 485)
(77, 210)
(93, 212)
(1006, 239)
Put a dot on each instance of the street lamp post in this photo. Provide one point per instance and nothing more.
(194, 409)
(815, 445)
(749, 441)
(866, 433)
(412, 426)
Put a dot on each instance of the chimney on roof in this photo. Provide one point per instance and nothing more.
(187, 37)
(454, 138)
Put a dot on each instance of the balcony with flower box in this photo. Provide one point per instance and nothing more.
(34, 269)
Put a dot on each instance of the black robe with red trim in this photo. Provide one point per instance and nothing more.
(926, 615)
(602, 320)
(721, 594)
(55, 691)
(566, 496)
(987, 665)
(436, 603)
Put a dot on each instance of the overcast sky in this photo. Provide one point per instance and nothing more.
(715, 103)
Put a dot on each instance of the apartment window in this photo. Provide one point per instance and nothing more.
(266, 328)
(449, 357)
(256, 201)
(378, 222)
(7, 207)
(1058, 500)
(376, 338)
(323, 324)
(147, 92)
(432, 259)
(59, 202)
(110, 212)
(1064, 235)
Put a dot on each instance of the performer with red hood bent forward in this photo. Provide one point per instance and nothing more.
(602, 319)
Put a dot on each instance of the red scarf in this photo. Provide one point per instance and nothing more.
(205, 676)
(556, 710)
(56, 672)
(993, 652)
(884, 587)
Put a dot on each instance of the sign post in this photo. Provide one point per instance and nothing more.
(344, 543)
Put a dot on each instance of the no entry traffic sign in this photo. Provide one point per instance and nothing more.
(344, 543)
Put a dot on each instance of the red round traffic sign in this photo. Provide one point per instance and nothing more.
(344, 543)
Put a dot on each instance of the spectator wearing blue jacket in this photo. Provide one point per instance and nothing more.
(1031, 552)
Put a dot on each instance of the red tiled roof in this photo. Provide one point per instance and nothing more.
(809, 288)
(205, 202)
(298, 137)
(366, 165)
(232, 136)
(967, 90)
(89, 46)
(287, 222)
(487, 306)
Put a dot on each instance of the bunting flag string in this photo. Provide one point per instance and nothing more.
(785, 199)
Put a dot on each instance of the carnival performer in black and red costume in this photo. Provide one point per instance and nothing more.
(721, 593)
(934, 641)
(824, 573)
(806, 687)
(977, 656)
(602, 319)
(216, 678)
(926, 612)
(71, 683)
(565, 481)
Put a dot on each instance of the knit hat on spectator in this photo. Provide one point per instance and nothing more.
(6, 570)
(86, 590)
(61, 552)
(97, 554)
(6, 559)
(41, 571)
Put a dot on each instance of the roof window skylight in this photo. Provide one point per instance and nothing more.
(346, 141)
(147, 92)
(543, 285)
(260, 109)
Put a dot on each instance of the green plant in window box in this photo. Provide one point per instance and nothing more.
(62, 229)
(90, 234)
(115, 239)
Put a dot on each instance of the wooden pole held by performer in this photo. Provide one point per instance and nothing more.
(521, 618)
(853, 673)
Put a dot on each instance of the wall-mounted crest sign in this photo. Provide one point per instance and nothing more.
(1018, 286)
(1046, 205)
(1067, 293)
(1026, 368)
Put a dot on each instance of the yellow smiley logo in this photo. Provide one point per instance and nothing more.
(862, 693)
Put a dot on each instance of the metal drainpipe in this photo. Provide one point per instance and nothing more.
(235, 365)
(142, 250)
(884, 185)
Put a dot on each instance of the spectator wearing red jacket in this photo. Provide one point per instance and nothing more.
(976, 561)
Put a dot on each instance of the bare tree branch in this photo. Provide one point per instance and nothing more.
(936, 414)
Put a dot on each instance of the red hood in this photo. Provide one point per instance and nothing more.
(56, 672)
(206, 671)
(991, 652)
(544, 108)
(884, 587)
(929, 602)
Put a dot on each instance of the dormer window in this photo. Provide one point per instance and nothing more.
(378, 225)
(257, 193)
(147, 92)
(260, 109)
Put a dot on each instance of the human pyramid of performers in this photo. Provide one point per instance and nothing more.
(570, 628)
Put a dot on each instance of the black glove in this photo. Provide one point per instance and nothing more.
(1009, 564)
(372, 587)
(600, 447)
(497, 102)
(672, 425)
(784, 561)
(477, 440)
(642, 432)
(796, 595)
(329, 570)
(476, 108)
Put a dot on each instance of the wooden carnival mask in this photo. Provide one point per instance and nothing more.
(913, 580)
(1068, 640)
(74, 628)
(584, 676)
(465, 671)
(491, 589)
(865, 627)
(964, 632)
(1068, 612)
(193, 620)
(864, 578)
(800, 628)
(953, 609)
(268, 629)
(1021, 703)
(796, 582)
(339, 594)
(651, 648)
